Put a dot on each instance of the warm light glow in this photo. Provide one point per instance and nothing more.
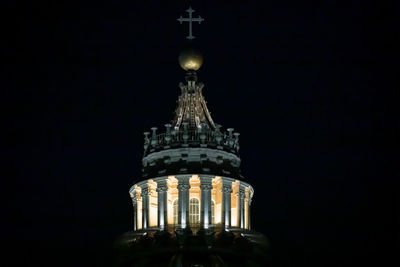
(194, 211)
(190, 59)
(216, 195)
(191, 65)
(138, 207)
(246, 208)
(172, 195)
(153, 203)
(235, 204)
(195, 199)
(194, 205)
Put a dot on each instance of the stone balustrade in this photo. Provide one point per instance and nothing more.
(203, 137)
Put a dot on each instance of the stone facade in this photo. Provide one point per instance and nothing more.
(192, 206)
(215, 195)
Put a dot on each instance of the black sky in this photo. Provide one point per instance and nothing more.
(308, 85)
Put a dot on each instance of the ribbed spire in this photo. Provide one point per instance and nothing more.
(192, 108)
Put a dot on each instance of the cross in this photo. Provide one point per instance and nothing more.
(190, 20)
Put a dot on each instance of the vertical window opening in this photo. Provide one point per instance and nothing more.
(194, 211)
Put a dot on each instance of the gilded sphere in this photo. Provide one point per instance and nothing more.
(190, 59)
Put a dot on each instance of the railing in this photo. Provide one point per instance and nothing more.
(203, 138)
(189, 136)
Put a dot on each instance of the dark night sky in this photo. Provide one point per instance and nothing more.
(308, 86)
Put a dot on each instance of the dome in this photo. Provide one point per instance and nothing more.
(190, 59)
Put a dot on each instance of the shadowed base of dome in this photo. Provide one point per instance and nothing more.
(192, 247)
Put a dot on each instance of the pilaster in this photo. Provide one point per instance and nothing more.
(226, 203)
(183, 198)
(237, 200)
(145, 206)
(241, 204)
(205, 186)
(249, 213)
(162, 203)
(134, 203)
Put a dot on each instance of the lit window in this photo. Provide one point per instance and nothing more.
(194, 211)
(175, 210)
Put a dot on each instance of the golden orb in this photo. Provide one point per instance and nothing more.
(190, 59)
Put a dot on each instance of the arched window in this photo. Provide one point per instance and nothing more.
(194, 211)
(212, 212)
(175, 210)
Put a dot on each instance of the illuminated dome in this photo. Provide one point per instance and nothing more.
(190, 59)
(192, 205)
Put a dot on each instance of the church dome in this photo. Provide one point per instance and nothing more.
(191, 206)
(190, 59)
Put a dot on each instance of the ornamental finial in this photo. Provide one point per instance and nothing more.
(190, 19)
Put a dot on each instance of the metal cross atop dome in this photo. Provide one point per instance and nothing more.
(190, 20)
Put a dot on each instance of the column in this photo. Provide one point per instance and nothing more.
(226, 204)
(205, 186)
(249, 213)
(145, 206)
(222, 205)
(246, 212)
(162, 203)
(237, 199)
(134, 202)
(241, 205)
(183, 198)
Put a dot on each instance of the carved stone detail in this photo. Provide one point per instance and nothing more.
(145, 191)
(162, 188)
(227, 189)
(183, 186)
(206, 186)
